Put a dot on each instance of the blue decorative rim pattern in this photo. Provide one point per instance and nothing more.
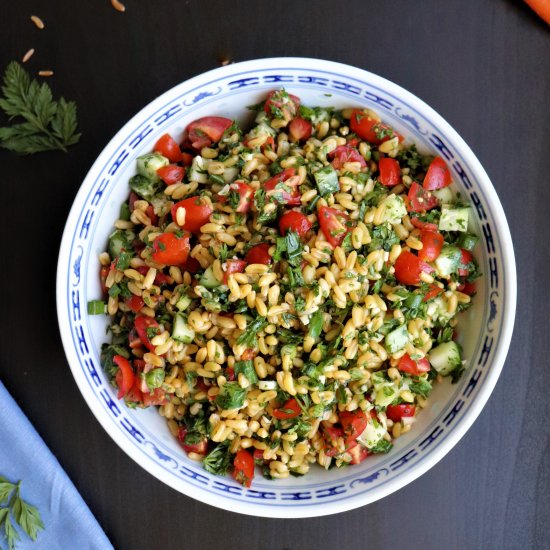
(355, 484)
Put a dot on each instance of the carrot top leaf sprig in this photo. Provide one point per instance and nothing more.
(37, 122)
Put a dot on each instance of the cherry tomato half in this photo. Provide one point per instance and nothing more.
(334, 224)
(299, 129)
(282, 188)
(199, 448)
(432, 243)
(280, 104)
(466, 258)
(291, 409)
(420, 200)
(294, 221)
(245, 195)
(171, 174)
(408, 268)
(168, 147)
(353, 423)
(343, 154)
(171, 249)
(258, 254)
(146, 328)
(407, 364)
(243, 468)
(390, 172)
(124, 376)
(207, 130)
(369, 129)
(397, 412)
(233, 266)
(197, 213)
(437, 176)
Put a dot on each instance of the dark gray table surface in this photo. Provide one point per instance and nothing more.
(482, 64)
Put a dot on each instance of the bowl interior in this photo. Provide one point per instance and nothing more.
(143, 433)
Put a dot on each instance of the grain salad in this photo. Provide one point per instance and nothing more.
(286, 295)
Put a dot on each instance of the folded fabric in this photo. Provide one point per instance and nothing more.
(24, 456)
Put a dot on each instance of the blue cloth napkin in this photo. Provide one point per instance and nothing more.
(24, 456)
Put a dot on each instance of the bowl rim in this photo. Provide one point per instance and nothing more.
(508, 314)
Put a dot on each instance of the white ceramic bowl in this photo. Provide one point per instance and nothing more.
(485, 329)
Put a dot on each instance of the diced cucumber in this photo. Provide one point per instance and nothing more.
(120, 240)
(396, 339)
(454, 219)
(467, 241)
(230, 174)
(143, 186)
(438, 310)
(395, 209)
(267, 385)
(262, 128)
(208, 279)
(199, 170)
(181, 331)
(444, 195)
(445, 358)
(147, 165)
(385, 391)
(386, 394)
(327, 180)
(372, 434)
(183, 303)
(448, 260)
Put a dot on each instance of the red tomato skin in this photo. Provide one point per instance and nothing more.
(283, 413)
(432, 293)
(289, 177)
(300, 129)
(243, 468)
(197, 213)
(289, 109)
(187, 159)
(142, 323)
(168, 147)
(390, 172)
(432, 243)
(358, 454)
(408, 268)
(169, 249)
(103, 273)
(233, 266)
(258, 455)
(437, 176)
(294, 221)
(331, 435)
(343, 154)
(397, 412)
(171, 174)
(467, 257)
(369, 129)
(259, 254)
(126, 379)
(467, 288)
(192, 265)
(419, 199)
(135, 303)
(353, 423)
(199, 448)
(246, 194)
(416, 368)
(423, 225)
(156, 397)
(334, 224)
(207, 130)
